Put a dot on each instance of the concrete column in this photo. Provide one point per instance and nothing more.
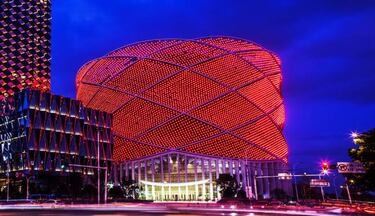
(223, 166)
(146, 186)
(178, 176)
(162, 178)
(244, 176)
(203, 178)
(115, 173)
(133, 175)
(266, 180)
(260, 182)
(196, 178)
(186, 177)
(250, 176)
(237, 170)
(127, 171)
(231, 167)
(217, 168)
(121, 167)
(210, 181)
(169, 177)
(153, 177)
(271, 173)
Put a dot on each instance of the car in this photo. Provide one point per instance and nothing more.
(275, 203)
(292, 203)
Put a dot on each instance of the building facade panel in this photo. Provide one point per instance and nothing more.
(45, 132)
(25, 45)
(191, 110)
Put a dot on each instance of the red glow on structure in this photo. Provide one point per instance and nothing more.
(213, 96)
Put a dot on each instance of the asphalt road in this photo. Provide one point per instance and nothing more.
(155, 209)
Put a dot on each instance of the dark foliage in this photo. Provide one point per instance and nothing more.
(364, 153)
(116, 192)
(228, 185)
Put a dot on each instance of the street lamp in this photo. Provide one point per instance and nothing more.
(354, 135)
(357, 137)
(295, 179)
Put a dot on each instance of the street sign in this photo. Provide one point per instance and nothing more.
(319, 183)
(284, 176)
(350, 167)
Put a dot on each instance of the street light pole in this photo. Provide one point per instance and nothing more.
(248, 171)
(8, 183)
(348, 191)
(27, 187)
(295, 181)
(105, 186)
(321, 190)
(334, 184)
(93, 167)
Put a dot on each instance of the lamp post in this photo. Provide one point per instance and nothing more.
(8, 180)
(348, 191)
(334, 184)
(93, 167)
(105, 174)
(321, 188)
(295, 180)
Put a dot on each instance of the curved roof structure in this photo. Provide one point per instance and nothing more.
(216, 96)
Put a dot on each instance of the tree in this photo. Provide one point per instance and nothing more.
(116, 192)
(75, 182)
(131, 189)
(278, 194)
(228, 185)
(89, 192)
(365, 154)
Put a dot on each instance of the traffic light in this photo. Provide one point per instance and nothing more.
(325, 167)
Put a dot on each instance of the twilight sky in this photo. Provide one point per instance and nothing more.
(327, 50)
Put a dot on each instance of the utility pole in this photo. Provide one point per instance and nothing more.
(105, 186)
(296, 187)
(8, 180)
(27, 187)
(334, 184)
(321, 190)
(348, 191)
(295, 180)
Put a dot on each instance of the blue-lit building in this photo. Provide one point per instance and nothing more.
(46, 134)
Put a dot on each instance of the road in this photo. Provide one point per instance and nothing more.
(149, 209)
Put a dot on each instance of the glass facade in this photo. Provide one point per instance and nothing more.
(40, 131)
(178, 176)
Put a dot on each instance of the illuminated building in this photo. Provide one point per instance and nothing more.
(49, 134)
(25, 45)
(185, 111)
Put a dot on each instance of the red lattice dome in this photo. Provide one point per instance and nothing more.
(216, 96)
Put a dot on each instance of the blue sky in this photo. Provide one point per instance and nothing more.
(327, 50)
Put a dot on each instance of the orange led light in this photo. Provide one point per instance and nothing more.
(216, 96)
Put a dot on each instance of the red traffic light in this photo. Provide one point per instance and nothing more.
(325, 166)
